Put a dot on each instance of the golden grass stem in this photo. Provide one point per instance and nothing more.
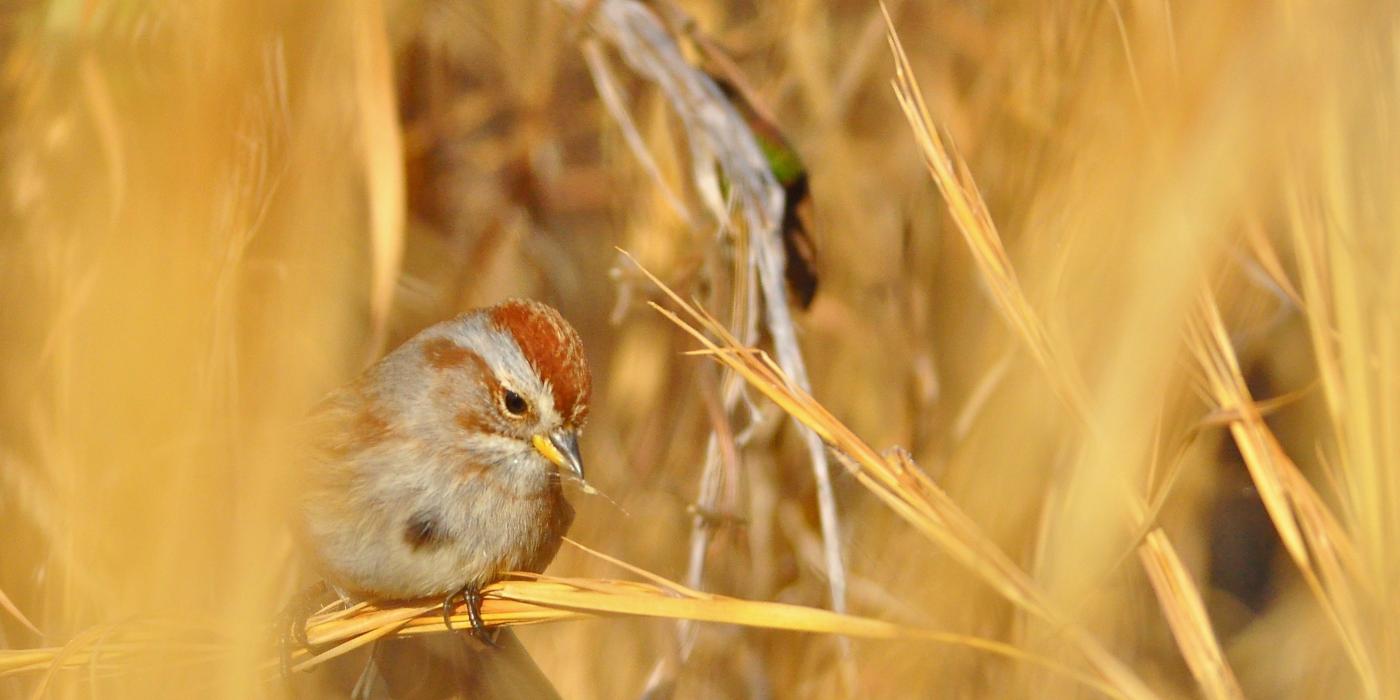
(974, 222)
(382, 141)
(897, 482)
(519, 602)
(1186, 614)
(1315, 540)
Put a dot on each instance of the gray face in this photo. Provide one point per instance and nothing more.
(467, 384)
(503, 410)
(521, 404)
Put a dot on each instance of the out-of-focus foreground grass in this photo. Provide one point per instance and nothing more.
(1058, 287)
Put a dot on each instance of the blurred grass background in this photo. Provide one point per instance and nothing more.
(211, 212)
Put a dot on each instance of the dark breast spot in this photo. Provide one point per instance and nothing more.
(423, 532)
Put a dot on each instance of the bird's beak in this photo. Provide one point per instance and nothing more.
(561, 448)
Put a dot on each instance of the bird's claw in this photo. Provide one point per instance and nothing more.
(292, 624)
(470, 595)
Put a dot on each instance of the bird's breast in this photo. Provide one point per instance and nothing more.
(473, 536)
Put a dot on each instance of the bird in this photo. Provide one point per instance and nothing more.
(438, 469)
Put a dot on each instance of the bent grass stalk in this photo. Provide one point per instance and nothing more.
(1320, 547)
(899, 483)
(534, 599)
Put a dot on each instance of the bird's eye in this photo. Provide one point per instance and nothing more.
(515, 403)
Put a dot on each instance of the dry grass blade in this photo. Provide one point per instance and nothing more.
(1314, 539)
(110, 656)
(970, 213)
(383, 162)
(614, 101)
(722, 142)
(662, 581)
(354, 633)
(1268, 260)
(1314, 273)
(1345, 262)
(900, 484)
(113, 647)
(1181, 603)
(651, 602)
(1213, 352)
(509, 603)
(10, 607)
(554, 599)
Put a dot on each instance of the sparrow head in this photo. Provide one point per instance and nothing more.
(508, 385)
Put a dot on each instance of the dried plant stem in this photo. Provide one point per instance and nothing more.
(721, 141)
(1186, 614)
(970, 214)
(9, 606)
(1314, 539)
(612, 98)
(382, 141)
(509, 603)
(901, 485)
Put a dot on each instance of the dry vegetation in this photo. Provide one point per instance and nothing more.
(1099, 394)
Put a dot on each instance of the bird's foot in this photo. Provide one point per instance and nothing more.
(471, 595)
